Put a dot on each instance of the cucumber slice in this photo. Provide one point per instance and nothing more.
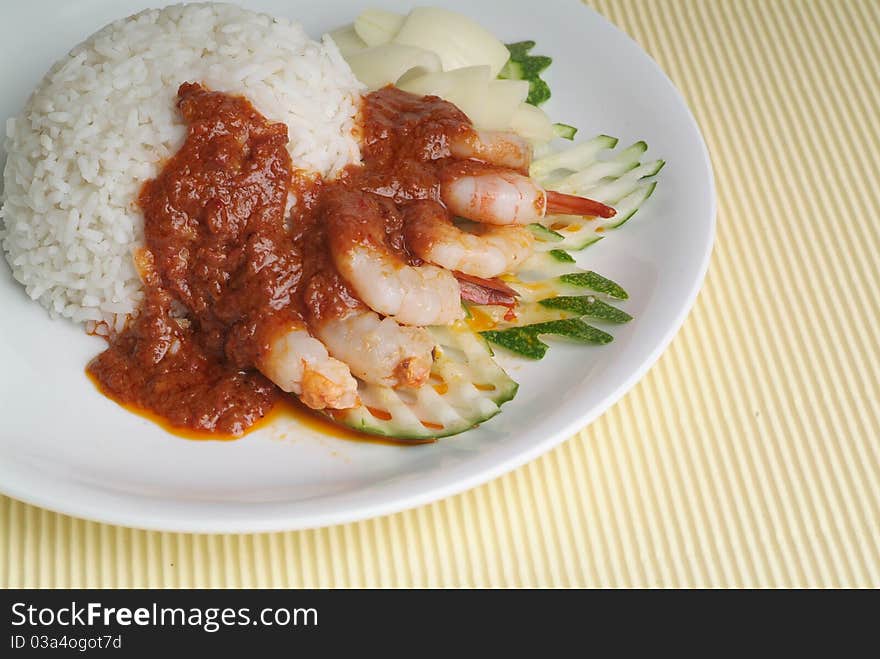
(467, 388)
(577, 234)
(620, 182)
(542, 233)
(525, 340)
(612, 192)
(534, 65)
(565, 131)
(567, 284)
(551, 301)
(573, 159)
(625, 161)
(557, 308)
(561, 256)
(628, 206)
(587, 306)
(544, 275)
(591, 281)
(539, 92)
(511, 71)
(544, 265)
(522, 66)
(520, 49)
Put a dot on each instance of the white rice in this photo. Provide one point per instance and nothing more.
(102, 120)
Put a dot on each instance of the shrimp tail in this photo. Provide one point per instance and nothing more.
(321, 392)
(413, 372)
(566, 204)
(299, 363)
(480, 290)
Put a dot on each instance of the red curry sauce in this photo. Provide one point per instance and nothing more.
(223, 266)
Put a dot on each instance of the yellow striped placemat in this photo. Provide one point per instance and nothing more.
(750, 454)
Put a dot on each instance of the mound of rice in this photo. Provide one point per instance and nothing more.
(103, 119)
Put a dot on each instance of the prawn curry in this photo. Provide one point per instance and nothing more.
(260, 279)
(224, 269)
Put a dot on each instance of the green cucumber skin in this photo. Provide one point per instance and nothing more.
(573, 328)
(619, 223)
(561, 255)
(511, 71)
(404, 439)
(658, 165)
(570, 243)
(551, 163)
(637, 149)
(535, 65)
(544, 234)
(519, 49)
(609, 194)
(524, 343)
(564, 131)
(522, 66)
(525, 340)
(505, 395)
(594, 282)
(589, 240)
(539, 92)
(640, 146)
(587, 306)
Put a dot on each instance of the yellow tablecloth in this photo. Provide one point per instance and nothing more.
(749, 455)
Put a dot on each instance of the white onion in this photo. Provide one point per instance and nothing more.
(375, 26)
(347, 40)
(457, 39)
(385, 64)
(532, 123)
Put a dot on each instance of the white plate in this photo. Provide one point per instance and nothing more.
(65, 447)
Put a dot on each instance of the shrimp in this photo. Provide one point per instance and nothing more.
(499, 196)
(494, 250)
(371, 259)
(500, 148)
(377, 350)
(299, 363)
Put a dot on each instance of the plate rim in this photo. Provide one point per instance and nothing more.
(13, 482)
